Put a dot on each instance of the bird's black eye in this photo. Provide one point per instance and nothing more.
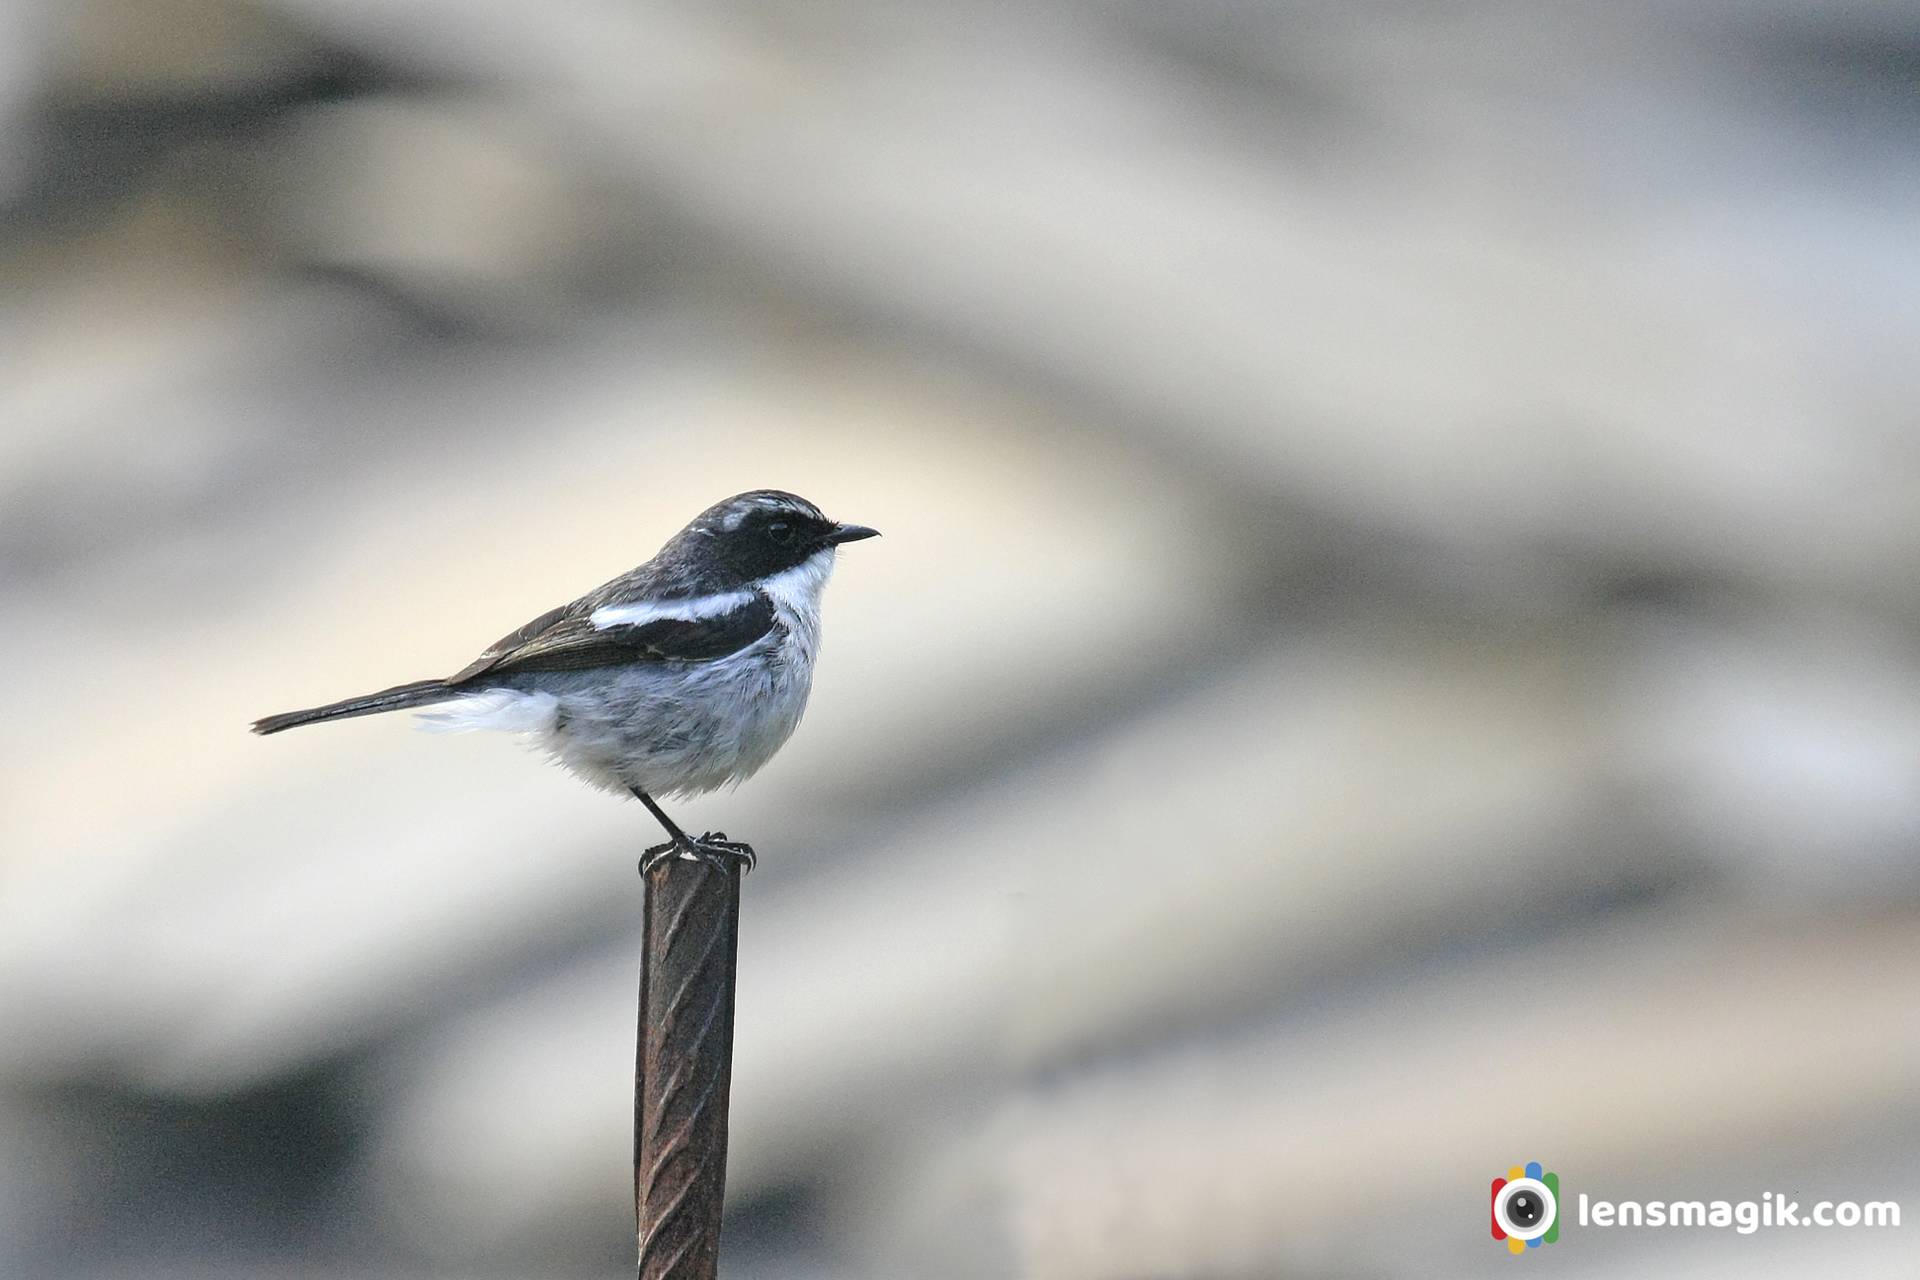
(781, 532)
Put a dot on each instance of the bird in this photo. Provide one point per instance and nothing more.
(677, 678)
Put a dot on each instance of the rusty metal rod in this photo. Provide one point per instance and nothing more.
(683, 1067)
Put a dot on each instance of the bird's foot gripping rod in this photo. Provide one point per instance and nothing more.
(713, 848)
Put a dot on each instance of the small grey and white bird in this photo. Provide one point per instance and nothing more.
(677, 678)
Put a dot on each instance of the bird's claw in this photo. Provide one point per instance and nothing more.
(654, 855)
(723, 854)
(713, 848)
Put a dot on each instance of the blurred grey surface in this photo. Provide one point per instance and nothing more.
(1394, 652)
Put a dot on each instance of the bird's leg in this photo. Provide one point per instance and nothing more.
(713, 848)
(675, 834)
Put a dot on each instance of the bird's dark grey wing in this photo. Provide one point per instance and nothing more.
(566, 640)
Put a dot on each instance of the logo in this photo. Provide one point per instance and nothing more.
(1526, 1208)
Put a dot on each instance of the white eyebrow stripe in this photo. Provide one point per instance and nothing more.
(691, 609)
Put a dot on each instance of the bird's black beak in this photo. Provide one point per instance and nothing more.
(850, 533)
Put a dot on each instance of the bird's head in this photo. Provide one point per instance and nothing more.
(754, 536)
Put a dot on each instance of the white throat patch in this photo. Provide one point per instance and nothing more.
(797, 590)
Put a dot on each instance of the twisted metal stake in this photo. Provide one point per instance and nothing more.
(684, 1067)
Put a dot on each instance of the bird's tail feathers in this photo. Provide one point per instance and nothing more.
(418, 694)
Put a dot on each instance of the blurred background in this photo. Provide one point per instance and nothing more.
(1394, 653)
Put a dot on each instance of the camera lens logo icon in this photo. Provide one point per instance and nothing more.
(1526, 1208)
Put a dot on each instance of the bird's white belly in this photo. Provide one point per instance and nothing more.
(670, 728)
